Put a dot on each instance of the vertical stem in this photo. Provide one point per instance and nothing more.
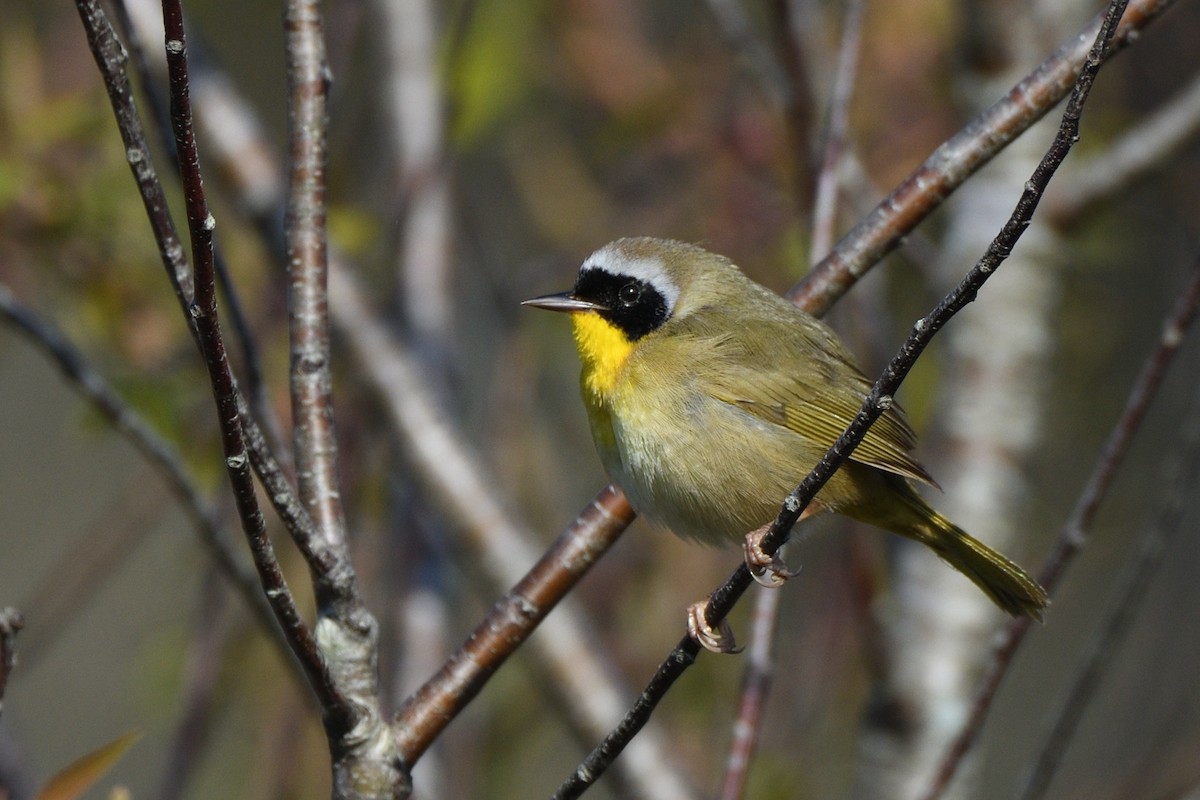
(307, 262)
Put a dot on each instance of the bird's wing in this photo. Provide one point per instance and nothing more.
(818, 399)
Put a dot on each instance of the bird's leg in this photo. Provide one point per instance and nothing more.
(769, 570)
(714, 641)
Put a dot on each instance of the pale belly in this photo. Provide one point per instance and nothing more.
(705, 469)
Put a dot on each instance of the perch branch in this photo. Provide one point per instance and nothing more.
(882, 230)
(1075, 530)
(878, 400)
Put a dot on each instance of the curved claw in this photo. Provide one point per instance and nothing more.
(717, 641)
(767, 570)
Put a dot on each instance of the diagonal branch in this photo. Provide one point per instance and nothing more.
(879, 399)
(882, 230)
(1075, 530)
(88, 381)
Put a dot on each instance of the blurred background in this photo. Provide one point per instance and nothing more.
(478, 152)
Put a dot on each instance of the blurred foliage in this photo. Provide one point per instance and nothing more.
(569, 124)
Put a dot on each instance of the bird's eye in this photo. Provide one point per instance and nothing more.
(629, 294)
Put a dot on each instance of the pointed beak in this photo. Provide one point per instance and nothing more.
(563, 301)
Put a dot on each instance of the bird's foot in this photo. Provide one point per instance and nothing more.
(717, 641)
(767, 570)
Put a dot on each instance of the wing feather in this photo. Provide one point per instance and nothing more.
(818, 402)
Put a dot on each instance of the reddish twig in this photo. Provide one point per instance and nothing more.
(194, 729)
(878, 400)
(756, 688)
(110, 58)
(1075, 531)
(957, 159)
(256, 388)
(310, 379)
(513, 617)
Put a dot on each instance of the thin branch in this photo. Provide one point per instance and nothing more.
(756, 688)
(310, 378)
(878, 400)
(1075, 530)
(825, 204)
(203, 311)
(1180, 478)
(110, 58)
(165, 459)
(10, 623)
(256, 388)
(195, 726)
(882, 230)
(361, 744)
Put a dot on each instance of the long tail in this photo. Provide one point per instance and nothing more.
(1004, 582)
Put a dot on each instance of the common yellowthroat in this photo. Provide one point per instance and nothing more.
(710, 397)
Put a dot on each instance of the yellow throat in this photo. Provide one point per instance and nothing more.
(603, 348)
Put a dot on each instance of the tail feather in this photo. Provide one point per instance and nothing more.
(1009, 586)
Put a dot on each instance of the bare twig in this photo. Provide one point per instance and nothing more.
(214, 535)
(203, 310)
(878, 400)
(825, 203)
(1180, 478)
(756, 688)
(110, 58)
(310, 379)
(1075, 530)
(413, 99)
(756, 682)
(199, 686)
(256, 388)
(361, 743)
(10, 623)
(957, 159)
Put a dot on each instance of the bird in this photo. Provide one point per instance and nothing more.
(709, 397)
